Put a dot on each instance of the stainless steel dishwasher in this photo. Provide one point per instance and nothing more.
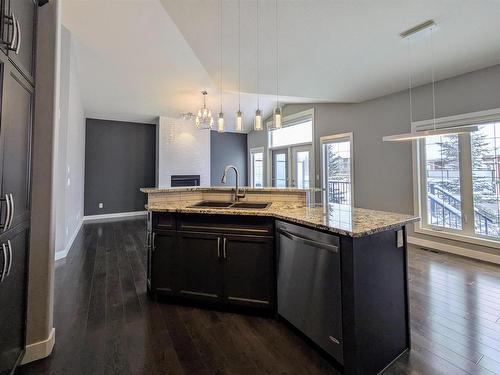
(309, 284)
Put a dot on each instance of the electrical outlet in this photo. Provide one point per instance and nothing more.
(399, 238)
(101, 205)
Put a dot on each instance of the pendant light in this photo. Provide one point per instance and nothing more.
(220, 120)
(414, 135)
(203, 119)
(277, 115)
(257, 123)
(239, 114)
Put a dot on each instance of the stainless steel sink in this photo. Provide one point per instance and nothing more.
(240, 205)
(259, 206)
(212, 204)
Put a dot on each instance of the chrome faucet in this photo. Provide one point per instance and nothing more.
(237, 194)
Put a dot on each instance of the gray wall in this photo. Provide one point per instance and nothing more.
(383, 171)
(119, 160)
(228, 148)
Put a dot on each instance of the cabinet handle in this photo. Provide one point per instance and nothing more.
(307, 241)
(224, 248)
(4, 263)
(153, 237)
(7, 213)
(18, 37)
(12, 45)
(10, 257)
(218, 247)
(11, 211)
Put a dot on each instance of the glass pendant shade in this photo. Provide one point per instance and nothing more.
(239, 121)
(257, 124)
(204, 118)
(220, 123)
(277, 118)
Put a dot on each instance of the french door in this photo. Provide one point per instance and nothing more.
(292, 167)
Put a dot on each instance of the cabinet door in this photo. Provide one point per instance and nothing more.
(200, 265)
(24, 12)
(248, 270)
(164, 262)
(13, 298)
(16, 134)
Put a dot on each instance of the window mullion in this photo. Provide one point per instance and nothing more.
(466, 190)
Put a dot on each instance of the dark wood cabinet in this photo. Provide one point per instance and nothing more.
(13, 259)
(203, 261)
(248, 270)
(200, 265)
(16, 130)
(19, 34)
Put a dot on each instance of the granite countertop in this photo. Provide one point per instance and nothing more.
(224, 189)
(339, 219)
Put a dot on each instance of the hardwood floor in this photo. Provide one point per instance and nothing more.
(105, 324)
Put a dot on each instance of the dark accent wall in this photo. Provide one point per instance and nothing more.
(119, 160)
(228, 148)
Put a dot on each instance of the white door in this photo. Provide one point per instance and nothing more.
(336, 155)
(280, 168)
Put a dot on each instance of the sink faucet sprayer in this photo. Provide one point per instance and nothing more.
(237, 194)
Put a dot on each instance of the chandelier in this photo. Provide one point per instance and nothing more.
(204, 119)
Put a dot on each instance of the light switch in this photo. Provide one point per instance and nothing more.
(399, 238)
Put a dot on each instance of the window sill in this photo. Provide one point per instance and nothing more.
(495, 244)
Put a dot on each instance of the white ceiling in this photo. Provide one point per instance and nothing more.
(142, 58)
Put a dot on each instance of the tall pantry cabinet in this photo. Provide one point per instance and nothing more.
(17, 88)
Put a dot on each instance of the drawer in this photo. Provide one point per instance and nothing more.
(163, 220)
(238, 224)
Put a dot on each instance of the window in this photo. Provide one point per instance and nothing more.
(257, 167)
(296, 133)
(460, 180)
(336, 151)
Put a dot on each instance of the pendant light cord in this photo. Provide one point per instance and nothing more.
(220, 54)
(277, 52)
(258, 60)
(433, 81)
(239, 55)
(410, 83)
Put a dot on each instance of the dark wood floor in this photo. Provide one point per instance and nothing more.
(105, 324)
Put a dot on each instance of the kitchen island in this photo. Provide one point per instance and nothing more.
(337, 274)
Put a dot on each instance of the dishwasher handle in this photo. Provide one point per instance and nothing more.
(307, 241)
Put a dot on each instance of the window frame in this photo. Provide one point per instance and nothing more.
(467, 234)
(252, 151)
(342, 137)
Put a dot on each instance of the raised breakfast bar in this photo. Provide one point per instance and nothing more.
(335, 274)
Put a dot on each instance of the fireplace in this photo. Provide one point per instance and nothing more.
(185, 180)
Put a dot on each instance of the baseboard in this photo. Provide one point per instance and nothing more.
(63, 253)
(458, 250)
(41, 349)
(114, 216)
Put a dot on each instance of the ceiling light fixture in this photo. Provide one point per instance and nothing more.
(414, 135)
(257, 124)
(220, 120)
(277, 115)
(203, 119)
(239, 114)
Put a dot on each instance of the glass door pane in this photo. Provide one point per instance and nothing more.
(280, 168)
(301, 167)
(337, 171)
(257, 165)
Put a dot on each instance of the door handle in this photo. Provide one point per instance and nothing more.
(4, 250)
(218, 247)
(224, 248)
(9, 245)
(307, 241)
(153, 237)
(18, 37)
(13, 41)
